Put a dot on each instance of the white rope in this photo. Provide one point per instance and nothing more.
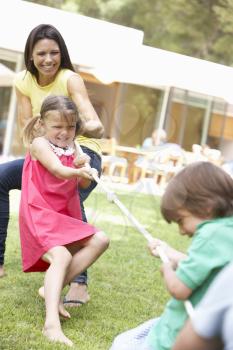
(113, 198)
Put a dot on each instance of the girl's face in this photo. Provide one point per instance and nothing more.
(188, 222)
(57, 130)
(46, 57)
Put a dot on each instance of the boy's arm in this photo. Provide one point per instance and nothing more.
(92, 126)
(174, 285)
(41, 151)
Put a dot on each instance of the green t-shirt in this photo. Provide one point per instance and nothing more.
(210, 251)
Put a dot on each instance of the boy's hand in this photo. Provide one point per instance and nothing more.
(173, 255)
(155, 244)
(81, 160)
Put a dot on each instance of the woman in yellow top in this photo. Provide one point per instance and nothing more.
(49, 71)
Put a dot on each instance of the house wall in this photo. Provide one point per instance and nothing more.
(220, 125)
(220, 130)
(192, 117)
(103, 98)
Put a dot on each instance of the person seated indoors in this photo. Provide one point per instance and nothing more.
(158, 138)
(210, 327)
(159, 153)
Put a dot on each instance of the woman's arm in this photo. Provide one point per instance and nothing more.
(92, 124)
(41, 151)
(24, 109)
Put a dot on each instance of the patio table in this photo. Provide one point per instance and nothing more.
(131, 154)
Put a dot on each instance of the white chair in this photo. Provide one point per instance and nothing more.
(112, 164)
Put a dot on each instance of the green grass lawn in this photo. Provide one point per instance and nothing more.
(125, 283)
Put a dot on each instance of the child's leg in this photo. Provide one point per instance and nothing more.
(83, 258)
(59, 259)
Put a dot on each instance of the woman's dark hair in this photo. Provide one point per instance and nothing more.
(203, 189)
(45, 31)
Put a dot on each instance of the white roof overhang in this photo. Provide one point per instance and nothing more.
(158, 68)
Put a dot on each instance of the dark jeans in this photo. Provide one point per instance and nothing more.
(95, 162)
(10, 179)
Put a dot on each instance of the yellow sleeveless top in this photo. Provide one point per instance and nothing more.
(27, 84)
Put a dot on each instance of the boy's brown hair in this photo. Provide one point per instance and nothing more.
(201, 188)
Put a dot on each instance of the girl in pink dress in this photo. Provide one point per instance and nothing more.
(53, 236)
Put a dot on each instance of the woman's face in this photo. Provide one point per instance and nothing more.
(46, 57)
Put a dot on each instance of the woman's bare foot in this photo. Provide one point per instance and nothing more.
(77, 295)
(62, 311)
(56, 335)
(2, 271)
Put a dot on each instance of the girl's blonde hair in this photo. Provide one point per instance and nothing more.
(201, 188)
(65, 106)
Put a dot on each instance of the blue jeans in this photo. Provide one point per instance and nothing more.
(10, 179)
(95, 162)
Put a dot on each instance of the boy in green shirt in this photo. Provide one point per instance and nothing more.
(200, 200)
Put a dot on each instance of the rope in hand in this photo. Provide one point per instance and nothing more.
(113, 198)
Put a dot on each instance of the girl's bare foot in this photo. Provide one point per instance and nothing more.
(56, 335)
(62, 311)
(2, 271)
(77, 295)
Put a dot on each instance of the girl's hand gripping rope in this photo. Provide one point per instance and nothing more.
(82, 160)
(86, 172)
